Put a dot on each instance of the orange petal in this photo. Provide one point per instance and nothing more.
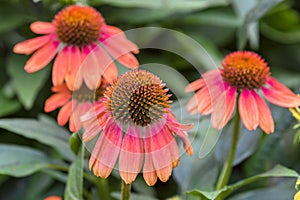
(281, 98)
(248, 110)
(73, 78)
(42, 27)
(64, 114)
(131, 155)
(55, 101)
(197, 84)
(60, 67)
(266, 121)
(29, 46)
(41, 57)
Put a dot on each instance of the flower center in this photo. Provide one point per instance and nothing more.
(78, 25)
(138, 97)
(245, 69)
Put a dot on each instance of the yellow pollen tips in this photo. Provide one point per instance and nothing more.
(245, 69)
(78, 25)
(138, 97)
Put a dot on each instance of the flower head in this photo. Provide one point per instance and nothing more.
(244, 75)
(53, 198)
(137, 128)
(73, 103)
(75, 36)
(297, 196)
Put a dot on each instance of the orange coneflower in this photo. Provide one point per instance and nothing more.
(137, 128)
(244, 75)
(74, 33)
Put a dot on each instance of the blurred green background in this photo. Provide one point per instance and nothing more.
(269, 27)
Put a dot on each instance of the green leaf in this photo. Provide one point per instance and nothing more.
(46, 133)
(26, 85)
(277, 171)
(74, 188)
(176, 5)
(251, 12)
(21, 161)
(8, 106)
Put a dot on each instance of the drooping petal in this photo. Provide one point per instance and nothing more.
(29, 46)
(73, 78)
(98, 63)
(42, 27)
(41, 57)
(197, 84)
(108, 31)
(278, 86)
(131, 155)
(149, 172)
(56, 100)
(79, 111)
(61, 88)
(248, 110)
(120, 48)
(64, 114)
(227, 103)
(106, 151)
(60, 67)
(281, 99)
(266, 121)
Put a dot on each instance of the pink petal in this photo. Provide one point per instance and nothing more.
(90, 69)
(278, 86)
(131, 155)
(195, 85)
(29, 46)
(248, 110)
(266, 121)
(60, 67)
(281, 99)
(119, 38)
(64, 114)
(56, 100)
(98, 63)
(41, 57)
(106, 151)
(73, 78)
(91, 131)
(224, 107)
(42, 27)
(78, 111)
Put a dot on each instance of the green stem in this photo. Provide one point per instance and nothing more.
(125, 189)
(227, 168)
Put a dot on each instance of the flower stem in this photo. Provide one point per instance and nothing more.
(227, 168)
(125, 188)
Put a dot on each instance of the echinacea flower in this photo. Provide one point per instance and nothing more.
(137, 128)
(80, 38)
(53, 198)
(73, 103)
(244, 76)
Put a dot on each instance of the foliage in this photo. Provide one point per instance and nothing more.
(35, 152)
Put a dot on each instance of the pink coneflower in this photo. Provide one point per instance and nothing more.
(137, 128)
(78, 31)
(73, 103)
(244, 75)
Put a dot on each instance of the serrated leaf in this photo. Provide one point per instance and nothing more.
(74, 187)
(21, 161)
(26, 85)
(45, 133)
